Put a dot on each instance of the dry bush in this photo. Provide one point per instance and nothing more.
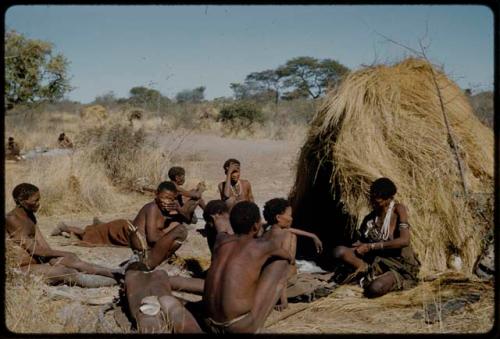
(386, 121)
(68, 183)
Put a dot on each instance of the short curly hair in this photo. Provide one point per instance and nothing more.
(243, 216)
(273, 208)
(175, 171)
(383, 188)
(214, 207)
(23, 191)
(229, 162)
(166, 186)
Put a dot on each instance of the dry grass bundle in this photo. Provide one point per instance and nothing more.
(387, 121)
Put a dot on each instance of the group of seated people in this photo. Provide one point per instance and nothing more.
(251, 262)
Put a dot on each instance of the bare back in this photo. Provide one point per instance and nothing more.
(232, 280)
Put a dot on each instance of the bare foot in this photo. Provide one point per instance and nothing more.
(59, 229)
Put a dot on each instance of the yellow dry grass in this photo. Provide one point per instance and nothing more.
(386, 121)
(347, 311)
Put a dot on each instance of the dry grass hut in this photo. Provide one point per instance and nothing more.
(387, 121)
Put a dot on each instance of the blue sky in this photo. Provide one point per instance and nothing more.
(171, 48)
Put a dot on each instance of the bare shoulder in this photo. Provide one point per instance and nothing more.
(245, 182)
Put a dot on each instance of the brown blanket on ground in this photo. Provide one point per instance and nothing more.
(111, 233)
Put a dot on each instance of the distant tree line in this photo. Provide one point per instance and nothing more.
(301, 77)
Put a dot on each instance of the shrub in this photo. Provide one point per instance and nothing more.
(241, 115)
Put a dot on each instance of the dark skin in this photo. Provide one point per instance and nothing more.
(354, 255)
(64, 141)
(227, 188)
(154, 222)
(237, 281)
(284, 222)
(192, 198)
(13, 150)
(22, 229)
(139, 284)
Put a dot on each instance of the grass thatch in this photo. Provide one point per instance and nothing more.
(386, 121)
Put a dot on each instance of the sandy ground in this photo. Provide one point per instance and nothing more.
(269, 165)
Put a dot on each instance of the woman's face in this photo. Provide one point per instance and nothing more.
(285, 219)
(380, 203)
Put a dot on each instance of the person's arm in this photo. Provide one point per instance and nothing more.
(250, 194)
(227, 187)
(189, 194)
(314, 237)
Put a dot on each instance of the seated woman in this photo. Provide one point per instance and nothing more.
(382, 256)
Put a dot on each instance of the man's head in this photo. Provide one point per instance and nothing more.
(11, 139)
(214, 207)
(27, 196)
(235, 174)
(382, 191)
(177, 174)
(61, 136)
(165, 194)
(278, 211)
(245, 218)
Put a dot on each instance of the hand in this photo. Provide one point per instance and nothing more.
(362, 249)
(318, 244)
(172, 206)
(356, 244)
(201, 187)
(233, 167)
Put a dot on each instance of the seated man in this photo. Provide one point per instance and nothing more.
(216, 210)
(234, 189)
(13, 150)
(188, 200)
(34, 253)
(151, 303)
(240, 290)
(157, 230)
(63, 141)
(278, 215)
(382, 256)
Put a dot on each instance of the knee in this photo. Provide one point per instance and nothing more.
(375, 289)
(340, 252)
(180, 232)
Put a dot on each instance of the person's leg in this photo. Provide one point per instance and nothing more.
(202, 203)
(183, 284)
(63, 227)
(381, 285)
(166, 246)
(72, 261)
(180, 318)
(187, 210)
(347, 255)
(60, 274)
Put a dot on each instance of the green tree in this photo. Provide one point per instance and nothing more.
(147, 98)
(310, 75)
(191, 95)
(268, 81)
(32, 72)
